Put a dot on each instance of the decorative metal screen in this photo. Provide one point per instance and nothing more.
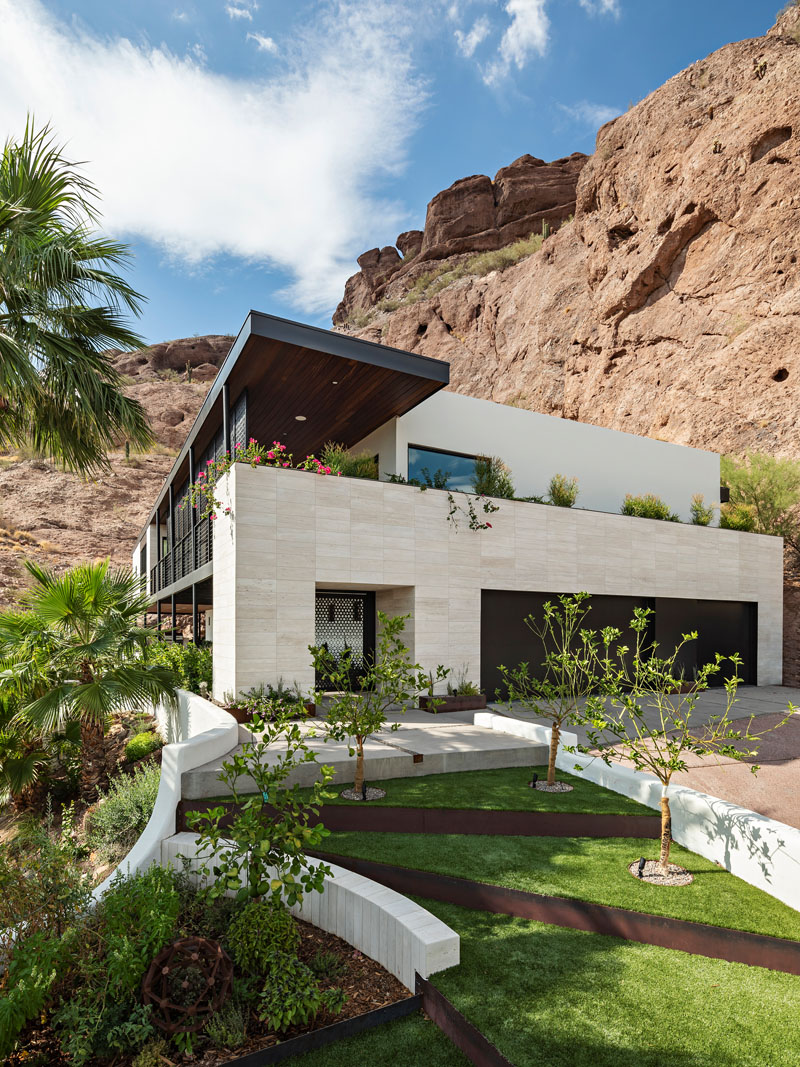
(239, 422)
(344, 622)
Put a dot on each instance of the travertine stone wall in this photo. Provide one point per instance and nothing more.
(291, 532)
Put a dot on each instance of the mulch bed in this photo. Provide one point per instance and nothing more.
(367, 984)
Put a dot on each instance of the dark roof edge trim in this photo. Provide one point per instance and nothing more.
(259, 324)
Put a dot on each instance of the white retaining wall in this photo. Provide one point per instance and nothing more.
(379, 922)
(196, 732)
(759, 850)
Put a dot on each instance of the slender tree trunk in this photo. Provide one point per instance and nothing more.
(358, 781)
(666, 832)
(551, 766)
(94, 774)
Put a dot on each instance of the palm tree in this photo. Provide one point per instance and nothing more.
(88, 618)
(61, 307)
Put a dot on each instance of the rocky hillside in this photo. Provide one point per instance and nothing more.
(670, 306)
(60, 519)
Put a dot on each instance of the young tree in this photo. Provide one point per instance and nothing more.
(766, 488)
(363, 695)
(572, 667)
(88, 618)
(650, 716)
(61, 307)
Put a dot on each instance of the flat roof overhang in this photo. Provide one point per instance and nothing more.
(345, 387)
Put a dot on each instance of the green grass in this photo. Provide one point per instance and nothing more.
(496, 790)
(406, 1042)
(565, 998)
(586, 868)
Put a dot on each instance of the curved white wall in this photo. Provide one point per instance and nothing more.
(197, 731)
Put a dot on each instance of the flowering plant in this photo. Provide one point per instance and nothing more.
(202, 491)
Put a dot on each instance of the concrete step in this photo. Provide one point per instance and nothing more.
(412, 751)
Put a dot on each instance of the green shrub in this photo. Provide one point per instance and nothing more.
(341, 461)
(200, 912)
(501, 258)
(326, 964)
(648, 506)
(122, 813)
(190, 663)
(154, 1054)
(292, 995)
(769, 489)
(737, 517)
(36, 965)
(261, 928)
(226, 1029)
(562, 491)
(141, 745)
(702, 513)
(492, 478)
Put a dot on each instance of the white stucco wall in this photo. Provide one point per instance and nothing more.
(291, 532)
(148, 538)
(607, 463)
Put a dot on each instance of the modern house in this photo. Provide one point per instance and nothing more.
(303, 558)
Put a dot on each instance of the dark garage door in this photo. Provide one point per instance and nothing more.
(723, 626)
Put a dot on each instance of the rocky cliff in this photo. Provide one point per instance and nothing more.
(670, 306)
(60, 519)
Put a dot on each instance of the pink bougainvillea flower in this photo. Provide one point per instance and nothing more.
(237, 445)
(212, 517)
(488, 526)
(227, 511)
(209, 462)
(252, 440)
(270, 455)
(258, 459)
(287, 464)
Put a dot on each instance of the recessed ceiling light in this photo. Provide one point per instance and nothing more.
(334, 383)
(299, 418)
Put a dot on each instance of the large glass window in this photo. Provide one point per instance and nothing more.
(442, 470)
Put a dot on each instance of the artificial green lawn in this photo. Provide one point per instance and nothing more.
(566, 998)
(593, 869)
(496, 790)
(406, 1042)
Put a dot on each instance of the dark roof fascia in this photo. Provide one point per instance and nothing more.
(271, 327)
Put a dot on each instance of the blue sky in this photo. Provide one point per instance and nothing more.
(250, 150)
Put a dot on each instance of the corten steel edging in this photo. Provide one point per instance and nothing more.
(477, 1048)
(699, 939)
(462, 821)
(326, 1035)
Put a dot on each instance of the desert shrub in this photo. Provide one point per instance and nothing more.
(501, 258)
(492, 478)
(190, 663)
(122, 813)
(342, 462)
(562, 491)
(769, 488)
(261, 928)
(292, 994)
(226, 1029)
(141, 745)
(702, 513)
(737, 517)
(648, 506)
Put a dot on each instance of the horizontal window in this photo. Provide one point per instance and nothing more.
(442, 470)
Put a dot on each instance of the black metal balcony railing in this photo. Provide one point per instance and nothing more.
(191, 552)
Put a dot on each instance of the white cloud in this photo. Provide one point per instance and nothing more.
(601, 7)
(527, 32)
(264, 43)
(241, 10)
(280, 171)
(468, 42)
(589, 114)
(180, 16)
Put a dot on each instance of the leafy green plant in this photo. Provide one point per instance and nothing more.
(562, 491)
(646, 715)
(190, 663)
(262, 853)
(291, 994)
(737, 517)
(388, 680)
(34, 968)
(260, 928)
(702, 513)
(459, 683)
(570, 671)
(492, 477)
(766, 487)
(153, 1054)
(341, 461)
(327, 964)
(141, 745)
(648, 506)
(226, 1028)
(469, 511)
(122, 813)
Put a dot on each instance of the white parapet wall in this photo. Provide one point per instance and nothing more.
(196, 732)
(759, 850)
(384, 925)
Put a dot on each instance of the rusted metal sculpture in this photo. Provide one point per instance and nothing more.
(186, 982)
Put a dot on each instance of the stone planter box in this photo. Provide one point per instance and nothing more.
(243, 717)
(454, 703)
